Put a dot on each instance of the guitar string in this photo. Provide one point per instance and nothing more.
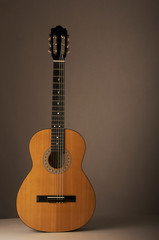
(60, 136)
(59, 124)
(63, 147)
(55, 140)
(53, 123)
(58, 127)
(61, 128)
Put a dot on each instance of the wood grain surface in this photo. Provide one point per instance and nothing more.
(55, 217)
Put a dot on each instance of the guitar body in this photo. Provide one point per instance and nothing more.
(56, 216)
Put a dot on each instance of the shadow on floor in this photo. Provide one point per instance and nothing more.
(99, 223)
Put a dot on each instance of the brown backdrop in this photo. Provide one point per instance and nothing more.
(112, 95)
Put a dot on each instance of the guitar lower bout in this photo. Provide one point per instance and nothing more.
(56, 198)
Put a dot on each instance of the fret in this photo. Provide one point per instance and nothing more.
(58, 65)
(59, 72)
(58, 79)
(58, 108)
(57, 143)
(57, 113)
(58, 86)
(60, 96)
(59, 89)
(56, 122)
(56, 149)
(56, 129)
(58, 92)
(59, 103)
(57, 97)
(57, 116)
(59, 139)
(61, 76)
(57, 134)
(57, 146)
(58, 100)
(58, 69)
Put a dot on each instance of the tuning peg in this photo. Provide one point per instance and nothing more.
(49, 39)
(49, 50)
(68, 51)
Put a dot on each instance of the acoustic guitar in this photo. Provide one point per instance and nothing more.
(56, 195)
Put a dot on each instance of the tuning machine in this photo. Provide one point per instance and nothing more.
(68, 43)
(49, 51)
(49, 43)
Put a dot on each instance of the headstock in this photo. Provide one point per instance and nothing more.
(58, 43)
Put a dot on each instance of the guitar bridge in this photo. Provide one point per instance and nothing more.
(55, 199)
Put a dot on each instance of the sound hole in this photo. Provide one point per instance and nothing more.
(56, 159)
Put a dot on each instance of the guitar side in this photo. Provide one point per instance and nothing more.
(56, 217)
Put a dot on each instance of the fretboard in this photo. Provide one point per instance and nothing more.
(58, 105)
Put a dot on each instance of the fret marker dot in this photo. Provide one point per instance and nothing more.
(54, 125)
(57, 103)
(58, 113)
(58, 92)
(57, 143)
(58, 79)
(57, 137)
(59, 126)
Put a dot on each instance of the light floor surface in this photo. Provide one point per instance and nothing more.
(135, 228)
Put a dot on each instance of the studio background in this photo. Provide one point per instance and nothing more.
(112, 96)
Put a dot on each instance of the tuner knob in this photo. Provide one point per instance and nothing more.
(49, 50)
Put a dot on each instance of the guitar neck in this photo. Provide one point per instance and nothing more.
(58, 107)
